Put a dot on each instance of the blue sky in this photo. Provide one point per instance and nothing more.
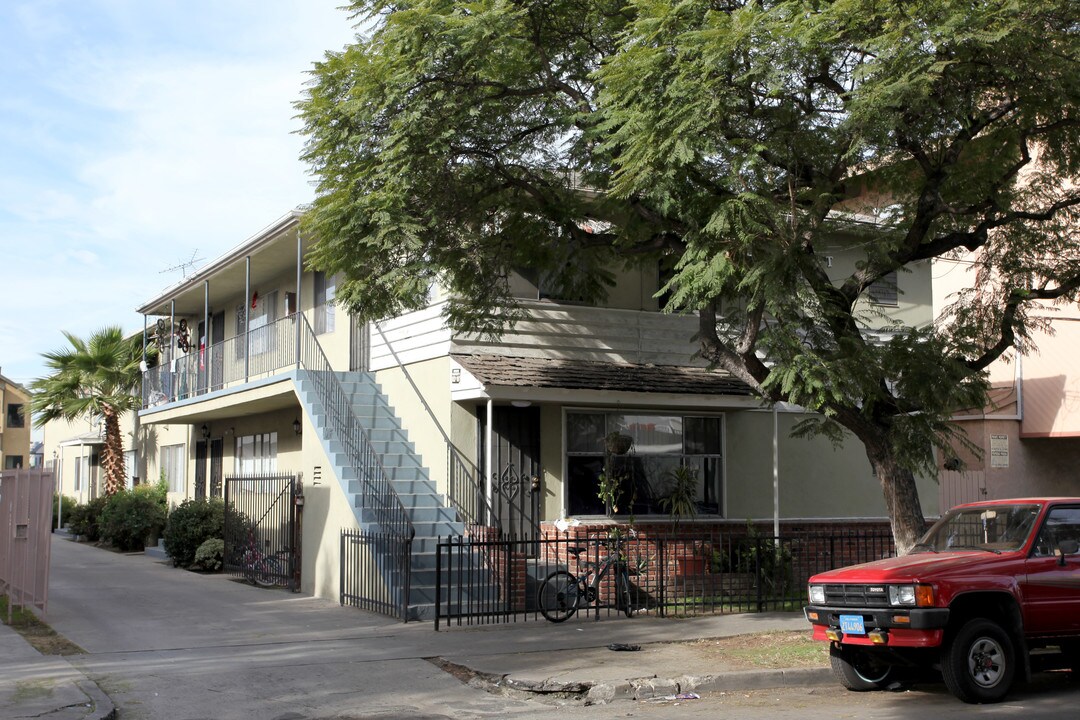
(134, 135)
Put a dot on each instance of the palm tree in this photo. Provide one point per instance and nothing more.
(96, 377)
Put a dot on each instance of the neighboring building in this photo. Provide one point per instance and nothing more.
(1028, 437)
(14, 425)
(37, 454)
(395, 425)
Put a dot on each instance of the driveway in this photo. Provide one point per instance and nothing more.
(165, 643)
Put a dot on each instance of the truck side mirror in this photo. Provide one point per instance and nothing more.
(1069, 547)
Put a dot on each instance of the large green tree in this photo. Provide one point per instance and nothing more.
(456, 142)
(96, 377)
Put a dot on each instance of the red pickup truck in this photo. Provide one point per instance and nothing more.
(989, 583)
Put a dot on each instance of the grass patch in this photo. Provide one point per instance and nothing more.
(770, 650)
(39, 635)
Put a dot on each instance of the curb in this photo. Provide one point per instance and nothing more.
(103, 706)
(651, 688)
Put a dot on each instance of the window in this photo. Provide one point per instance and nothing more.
(1062, 525)
(641, 450)
(256, 454)
(883, 291)
(325, 292)
(174, 465)
(82, 470)
(11, 462)
(15, 418)
(129, 468)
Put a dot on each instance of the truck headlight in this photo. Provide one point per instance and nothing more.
(911, 595)
(817, 594)
(901, 594)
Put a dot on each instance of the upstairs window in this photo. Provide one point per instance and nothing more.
(15, 418)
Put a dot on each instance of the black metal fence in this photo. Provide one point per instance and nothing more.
(262, 538)
(496, 581)
(376, 572)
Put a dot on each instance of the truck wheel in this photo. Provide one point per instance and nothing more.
(979, 665)
(859, 670)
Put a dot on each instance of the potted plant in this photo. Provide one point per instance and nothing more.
(680, 502)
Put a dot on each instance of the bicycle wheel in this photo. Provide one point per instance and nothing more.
(624, 594)
(267, 572)
(558, 596)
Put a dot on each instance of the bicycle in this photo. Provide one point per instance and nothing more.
(264, 570)
(562, 593)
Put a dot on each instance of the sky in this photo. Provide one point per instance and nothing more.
(136, 135)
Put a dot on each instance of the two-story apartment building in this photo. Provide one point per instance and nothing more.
(403, 425)
(1027, 440)
(14, 425)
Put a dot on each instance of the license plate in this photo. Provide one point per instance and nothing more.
(852, 624)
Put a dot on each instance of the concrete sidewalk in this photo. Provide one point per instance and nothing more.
(33, 685)
(157, 637)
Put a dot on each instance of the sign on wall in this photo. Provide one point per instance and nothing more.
(999, 451)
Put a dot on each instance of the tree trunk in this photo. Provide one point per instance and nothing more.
(901, 497)
(112, 455)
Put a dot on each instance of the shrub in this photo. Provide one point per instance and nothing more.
(130, 517)
(192, 523)
(67, 504)
(210, 555)
(85, 519)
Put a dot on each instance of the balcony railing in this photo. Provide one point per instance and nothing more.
(258, 353)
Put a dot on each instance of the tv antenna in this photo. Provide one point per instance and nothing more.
(185, 265)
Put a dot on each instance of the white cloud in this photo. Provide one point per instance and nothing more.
(135, 133)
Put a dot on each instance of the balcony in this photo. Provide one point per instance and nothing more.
(259, 354)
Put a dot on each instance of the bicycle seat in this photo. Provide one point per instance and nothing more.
(575, 550)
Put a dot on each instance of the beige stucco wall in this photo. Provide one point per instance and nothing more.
(420, 395)
(326, 512)
(815, 480)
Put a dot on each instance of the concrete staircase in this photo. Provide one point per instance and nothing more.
(427, 509)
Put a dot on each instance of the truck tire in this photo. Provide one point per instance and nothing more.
(859, 670)
(979, 663)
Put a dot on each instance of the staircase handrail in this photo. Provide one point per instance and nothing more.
(456, 464)
(377, 494)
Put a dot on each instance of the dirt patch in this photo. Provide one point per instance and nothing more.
(772, 650)
(39, 635)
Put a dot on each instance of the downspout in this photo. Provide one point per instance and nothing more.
(204, 341)
(172, 350)
(488, 459)
(776, 474)
(296, 309)
(247, 317)
(143, 367)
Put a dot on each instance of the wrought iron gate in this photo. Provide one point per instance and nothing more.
(262, 529)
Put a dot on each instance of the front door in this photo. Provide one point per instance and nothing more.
(217, 446)
(516, 487)
(200, 469)
(217, 350)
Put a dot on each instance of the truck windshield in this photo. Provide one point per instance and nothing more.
(997, 528)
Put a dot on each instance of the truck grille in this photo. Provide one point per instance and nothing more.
(857, 595)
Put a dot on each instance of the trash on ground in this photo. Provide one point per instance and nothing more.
(623, 647)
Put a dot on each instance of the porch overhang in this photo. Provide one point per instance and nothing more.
(253, 398)
(552, 380)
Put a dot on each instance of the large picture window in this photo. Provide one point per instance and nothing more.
(640, 451)
(256, 454)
